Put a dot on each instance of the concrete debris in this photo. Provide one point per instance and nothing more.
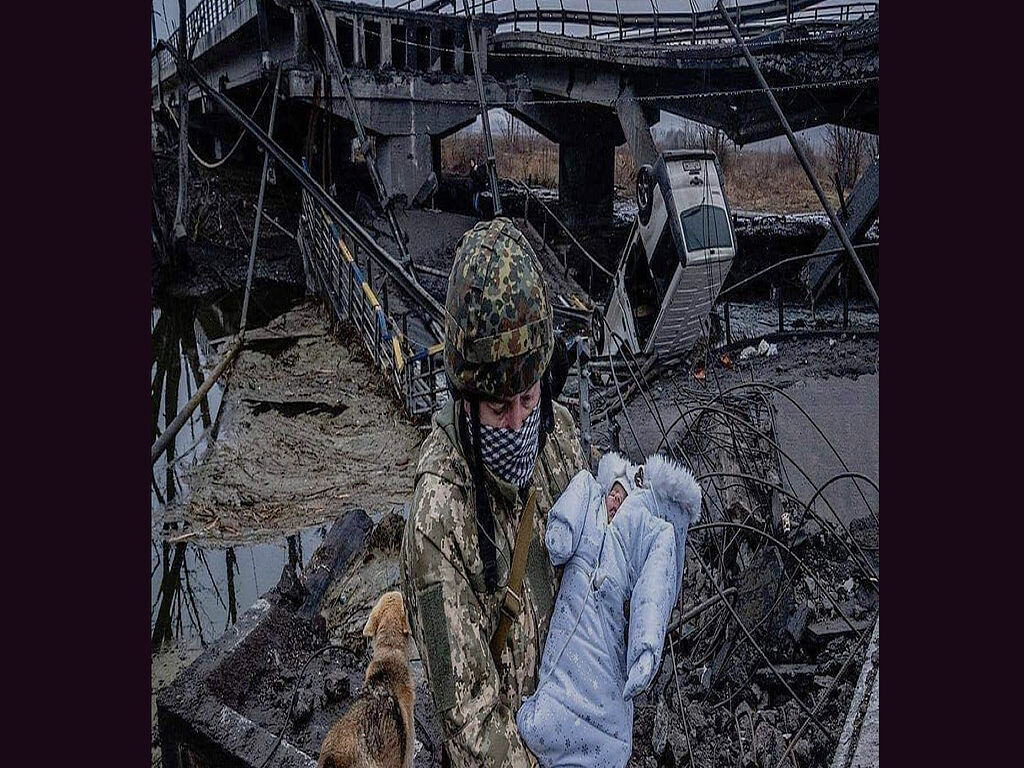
(769, 746)
(336, 687)
(798, 622)
(669, 738)
(303, 709)
(823, 631)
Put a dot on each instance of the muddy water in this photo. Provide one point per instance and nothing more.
(197, 593)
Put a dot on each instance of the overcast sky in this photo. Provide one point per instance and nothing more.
(625, 6)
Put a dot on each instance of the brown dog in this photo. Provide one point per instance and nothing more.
(377, 730)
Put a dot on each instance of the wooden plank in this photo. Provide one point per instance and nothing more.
(345, 539)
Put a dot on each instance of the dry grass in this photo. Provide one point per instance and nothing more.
(755, 179)
(772, 180)
(527, 158)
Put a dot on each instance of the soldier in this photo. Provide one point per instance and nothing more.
(500, 453)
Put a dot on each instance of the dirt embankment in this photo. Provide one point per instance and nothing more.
(308, 429)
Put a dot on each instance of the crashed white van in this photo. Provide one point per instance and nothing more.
(676, 258)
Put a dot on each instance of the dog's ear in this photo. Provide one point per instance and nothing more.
(371, 623)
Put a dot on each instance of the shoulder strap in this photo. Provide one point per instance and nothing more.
(512, 602)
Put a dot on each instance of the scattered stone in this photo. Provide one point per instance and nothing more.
(769, 745)
(387, 534)
(337, 687)
(761, 591)
(811, 584)
(668, 738)
(695, 714)
(803, 751)
(303, 708)
(798, 622)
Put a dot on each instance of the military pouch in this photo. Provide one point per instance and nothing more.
(439, 651)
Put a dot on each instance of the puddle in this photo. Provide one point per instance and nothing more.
(197, 592)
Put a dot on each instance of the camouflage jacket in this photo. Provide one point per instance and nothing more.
(452, 614)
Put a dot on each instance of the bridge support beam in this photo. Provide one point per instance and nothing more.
(301, 31)
(358, 42)
(636, 125)
(586, 182)
(405, 162)
(435, 49)
(385, 42)
(460, 53)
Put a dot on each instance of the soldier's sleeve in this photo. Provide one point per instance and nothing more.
(452, 634)
(567, 442)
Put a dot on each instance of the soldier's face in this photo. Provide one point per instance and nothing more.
(511, 412)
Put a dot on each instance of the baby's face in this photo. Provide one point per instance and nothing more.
(614, 500)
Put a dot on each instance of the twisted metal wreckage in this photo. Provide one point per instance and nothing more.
(780, 600)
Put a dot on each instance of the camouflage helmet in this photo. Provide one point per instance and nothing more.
(498, 322)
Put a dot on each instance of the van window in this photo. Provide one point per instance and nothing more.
(705, 226)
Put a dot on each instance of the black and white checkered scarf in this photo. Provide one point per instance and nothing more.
(511, 455)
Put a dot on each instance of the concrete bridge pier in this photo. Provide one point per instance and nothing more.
(587, 135)
(405, 162)
(586, 181)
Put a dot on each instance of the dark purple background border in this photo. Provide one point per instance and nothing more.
(77, 139)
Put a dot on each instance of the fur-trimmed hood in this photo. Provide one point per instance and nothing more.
(616, 468)
(673, 483)
(676, 499)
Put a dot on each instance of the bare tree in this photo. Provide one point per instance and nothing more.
(693, 135)
(511, 130)
(845, 148)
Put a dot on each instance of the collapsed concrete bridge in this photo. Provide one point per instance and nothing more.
(587, 79)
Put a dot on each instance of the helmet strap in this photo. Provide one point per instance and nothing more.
(547, 411)
(484, 514)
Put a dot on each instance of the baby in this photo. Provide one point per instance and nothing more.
(630, 547)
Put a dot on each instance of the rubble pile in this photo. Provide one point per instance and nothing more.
(763, 677)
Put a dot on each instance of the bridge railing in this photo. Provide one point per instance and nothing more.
(751, 24)
(606, 19)
(203, 18)
(416, 375)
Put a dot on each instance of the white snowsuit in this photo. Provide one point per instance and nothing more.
(582, 711)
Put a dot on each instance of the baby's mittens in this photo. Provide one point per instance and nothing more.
(558, 539)
(640, 675)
